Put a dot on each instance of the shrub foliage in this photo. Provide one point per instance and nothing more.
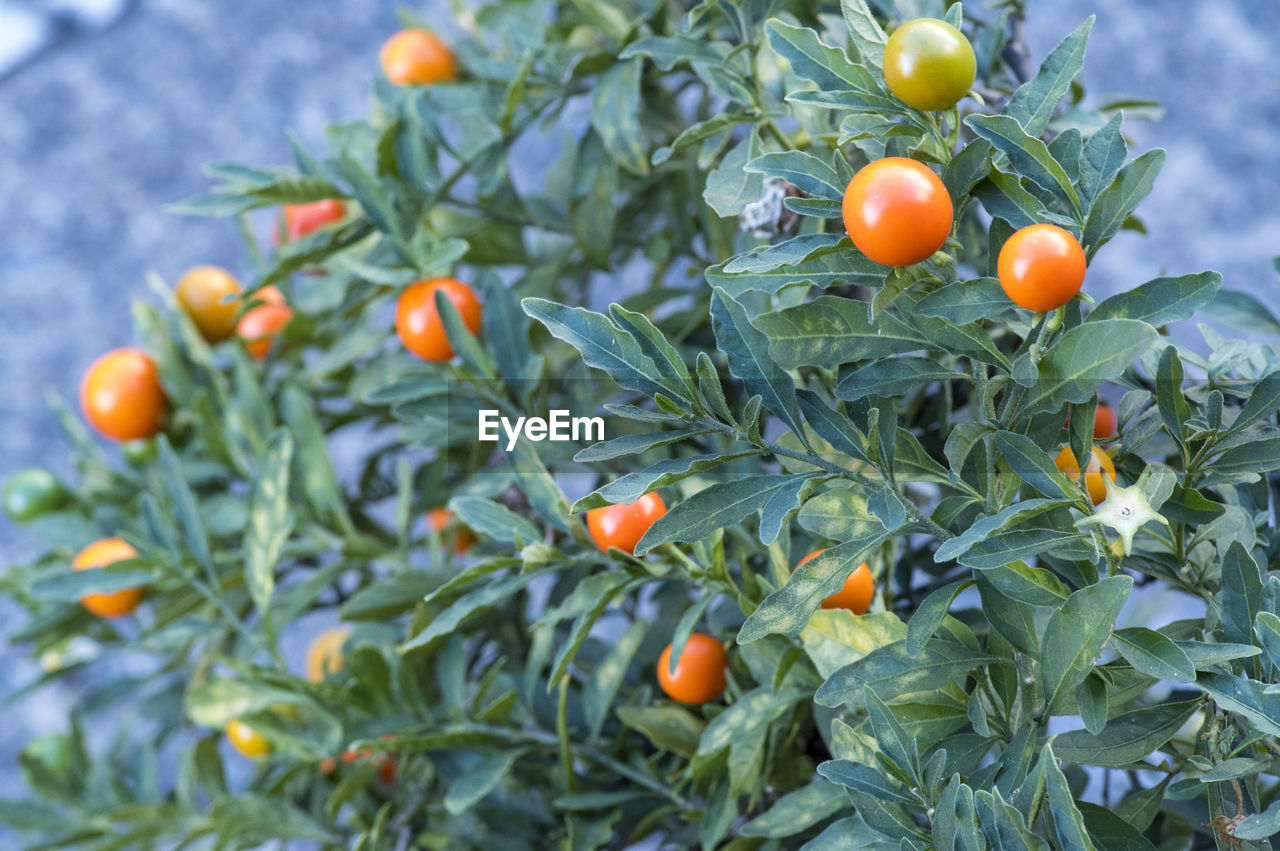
(1009, 687)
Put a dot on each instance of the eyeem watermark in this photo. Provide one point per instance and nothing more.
(558, 426)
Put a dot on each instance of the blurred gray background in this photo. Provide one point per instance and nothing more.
(99, 131)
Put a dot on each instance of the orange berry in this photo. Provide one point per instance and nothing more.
(1099, 462)
(858, 591)
(419, 324)
(260, 325)
(122, 397)
(417, 57)
(108, 604)
(699, 676)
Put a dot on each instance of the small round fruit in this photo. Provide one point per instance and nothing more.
(623, 525)
(417, 57)
(699, 676)
(857, 593)
(929, 64)
(1099, 462)
(303, 219)
(897, 211)
(248, 741)
(419, 324)
(209, 295)
(121, 395)
(261, 325)
(30, 493)
(439, 520)
(108, 604)
(324, 654)
(1104, 422)
(1041, 267)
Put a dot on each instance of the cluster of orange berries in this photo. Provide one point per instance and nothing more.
(699, 674)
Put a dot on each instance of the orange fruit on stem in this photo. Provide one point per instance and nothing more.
(858, 591)
(417, 57)
(122, 397)
(1041, 267)
(248, 741)
(699, 676)
(207, 295)
(1099, 463)
(897, 211)
(623, 525)
(324, 654)
(263, 323)
(439, 520)
(418, 321)
(1104, 422)
(303, 219)
(108, 604)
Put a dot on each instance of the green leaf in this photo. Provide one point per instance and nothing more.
(832, 426)
(1245, 697)
(631, 444)
(892, 671)
(766, 258)
(671, 728)
(747, 350)
(1102, 157)
(1127, 738)
(1255, 457)
(962, 302)
(982, 528)
(669, 51)
(493, 520)
(1028, 155)
(867, 35)
(256, 820)
(730, 187)
(1004, 197)
(892, 738)
(893, 377)
(1076, 365)
(1034, 586)
(601, 344)
(497, 593)
(1034, 102)
(805, 171)
(1260, 825)
(666, 358)
(1241, 594)
(506, 335)
(1241, 310)
(1263, 402)
(1161, 300)
(715, 507)
(830, 331)
(787, 610)
(865, 778)
(479, 780)
(1076, 634)
(796, 812)
(813, 60)
(615, 114)
(270, 520)
(313, 473)
(602, 686)
(1154, 655)
(821, 266)
(929, 615)
(1118, 201)
(1068, 823)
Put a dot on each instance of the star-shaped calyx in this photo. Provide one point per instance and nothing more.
(1126, 510)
